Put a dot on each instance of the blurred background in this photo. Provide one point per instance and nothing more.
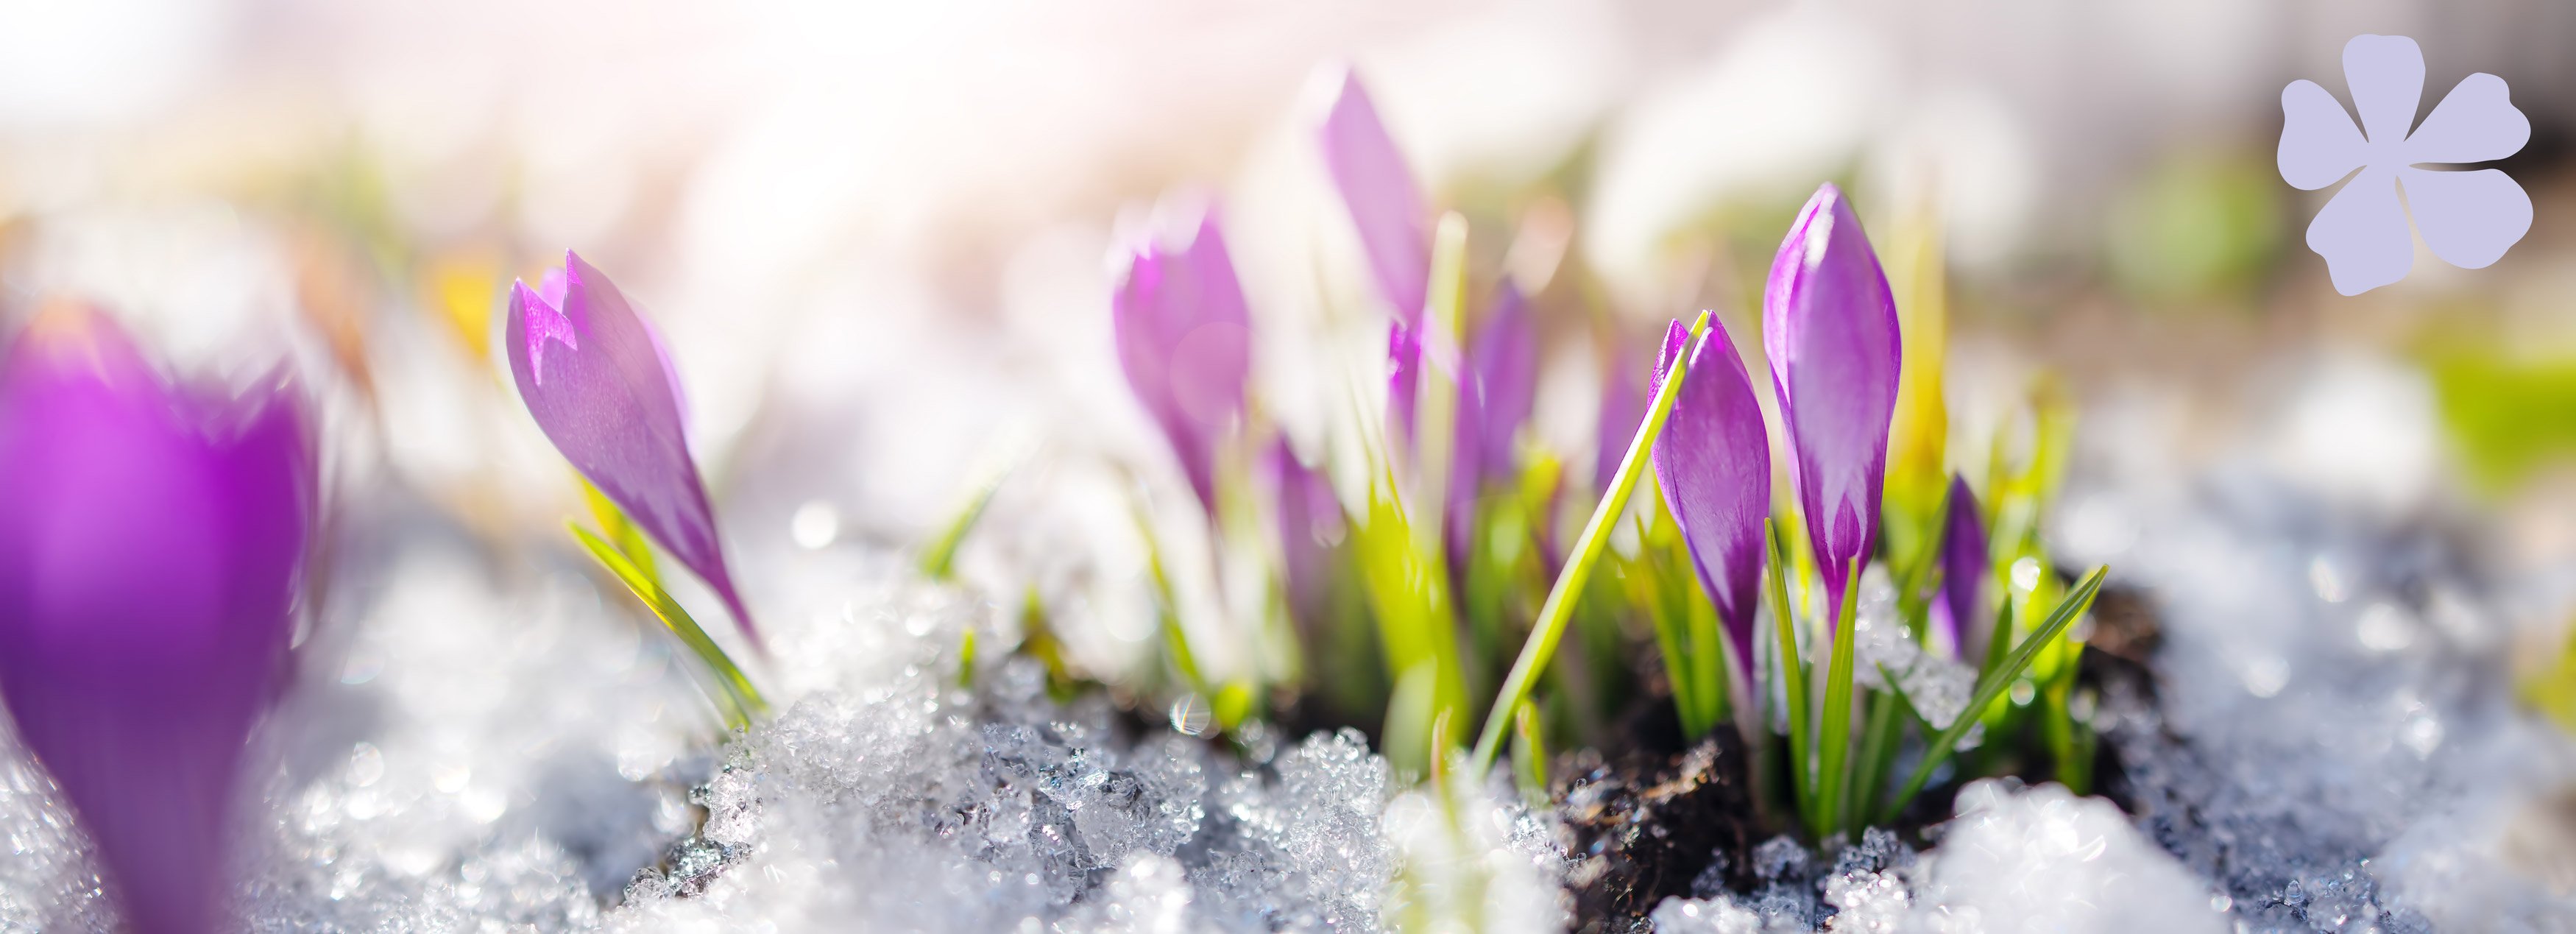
(875, 234)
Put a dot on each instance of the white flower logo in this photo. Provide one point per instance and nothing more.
(2469, 219)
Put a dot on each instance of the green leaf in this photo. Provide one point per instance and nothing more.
(1529, 755)
(939, 561)
(1836, 725)
(1553, 614)
(1793, 675)
(1993, 684)
(738, 700)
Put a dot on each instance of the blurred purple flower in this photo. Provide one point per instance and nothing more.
(1713, 463)
(1960, 611)
(1404, 374)
(1829, 327)
(1185, 340)
(593, 373)
(1623, 410)
(1493, 400)
(152, 544)
(1393, 219)
(1394, 225)
(1310, 521)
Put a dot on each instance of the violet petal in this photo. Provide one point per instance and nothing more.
(1713, 462)
(1961, 609)
(1623, 411)
(1829, 327)
(1388, 208)
(1185, 341)
(152, 542)
(592, 374)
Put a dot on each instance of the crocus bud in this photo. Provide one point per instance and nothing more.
(1493, 400)
(593, 374)
(1310, 521)
(1394, 224)
(1502, 362)
(152, 543)
(1713, 462)
(1829, 327)
(1623, 411)
(1185, 340)
(1393, 219)
(1961, 610)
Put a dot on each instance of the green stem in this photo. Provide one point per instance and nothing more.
(1836, 726)
(1877, 745)
(1994, 682)
(741, 701)
(1559, 607)
(1793, 676)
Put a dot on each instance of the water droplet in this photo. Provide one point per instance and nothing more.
(815, 525)
(366, 765)
(1190, 715)
(2023, 692)
(2327, 579)
(2025, 574)
(2384, 628)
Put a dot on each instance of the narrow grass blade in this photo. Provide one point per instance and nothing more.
(1529, 755)
(1793, 676)
(1835, 729)
(1994, 682)
(939, 561)
(620, 531)
(1877, 745)
(966, 660)
(742, 701)
(1559, 607)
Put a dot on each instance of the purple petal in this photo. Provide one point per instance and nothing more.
(1403, 377)
(1185, 340)
(1961, 610)
(1504, 358)
(2469, 219)
(2319, 143)
(1713, 462)
(1393, 219)
(1829, 326)
(593, 375)
(2361, 232)
(2386, 74)
(1493, 401)
(1310, 520)
(2476, 122)
(1623, 411)
(151, 545)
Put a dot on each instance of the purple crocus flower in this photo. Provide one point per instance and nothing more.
(1393, 219)
(1960, 611)
(1310, 520)
(1394, 223)
(1185, 340)
(1713, 462)
(1829, 327)
(1623, 411)
(1493, 400)
(593, 374)
(1503, 363)
(152, 543)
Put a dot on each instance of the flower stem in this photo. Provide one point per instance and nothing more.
(1837, 717)
(1559, 606)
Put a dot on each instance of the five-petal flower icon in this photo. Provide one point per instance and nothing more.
(2469, 219)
